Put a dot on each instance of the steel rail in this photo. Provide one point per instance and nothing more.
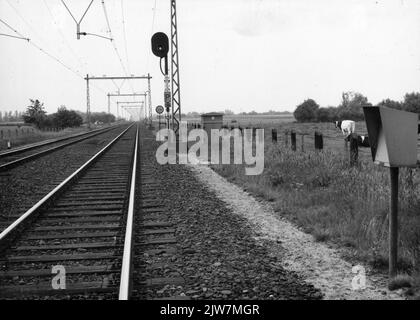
(57, 189)
(16, 162)
(126, 269)
(31, 146)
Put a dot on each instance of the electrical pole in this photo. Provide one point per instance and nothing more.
(176, 88)
(150, 102)
(87, 101)
(109, 103)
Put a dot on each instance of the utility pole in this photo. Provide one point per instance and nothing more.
(87, 101)
(176, 88)
(109, 103)
(150, 101)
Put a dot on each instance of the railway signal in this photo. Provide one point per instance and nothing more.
(160, 48)
(393, 143)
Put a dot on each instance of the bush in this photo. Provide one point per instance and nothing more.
(412, 102)
(64, 118)
(307, 111)
(102, 117)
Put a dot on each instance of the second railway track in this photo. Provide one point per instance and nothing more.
(14, 158)
(80, 227)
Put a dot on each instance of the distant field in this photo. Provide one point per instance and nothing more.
(249, 120)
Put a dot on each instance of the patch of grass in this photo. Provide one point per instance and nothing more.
(323, 195)
(399, 282)
(321, 236)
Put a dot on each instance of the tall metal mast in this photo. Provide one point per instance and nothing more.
(176, 90)
(87, 101)
(150, 100)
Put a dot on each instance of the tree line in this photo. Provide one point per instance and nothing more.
(35, 114)
(10, 116)
(351, 108)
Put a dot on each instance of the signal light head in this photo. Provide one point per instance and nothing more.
(160, 44)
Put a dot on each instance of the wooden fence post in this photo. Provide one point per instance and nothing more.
(354, 150)
(393, 223)
(303, 142)
(293, 140)
(319, 141)
(274, 135)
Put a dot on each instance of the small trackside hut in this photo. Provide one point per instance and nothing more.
(213, 120)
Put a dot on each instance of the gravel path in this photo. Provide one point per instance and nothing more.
(216, 252)
(23, 186)
(320, 265)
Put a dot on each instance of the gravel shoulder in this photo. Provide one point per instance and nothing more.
(216, 253)
(320, 265)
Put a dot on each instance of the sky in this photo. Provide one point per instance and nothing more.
(241, 55)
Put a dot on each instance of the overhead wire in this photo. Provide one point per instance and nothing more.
(125, 35)
(28, 25)
(41, 49)
(63, 36)
(21, 36)
(152, 30)
(114, 43)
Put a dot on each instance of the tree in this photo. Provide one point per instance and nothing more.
(306, 111)
(102, 117)
(351, 107)
(64, 118)
(35, 114)
(412, 102)
(228, 112)
(391, 104)
(326, 114)
(1, 116)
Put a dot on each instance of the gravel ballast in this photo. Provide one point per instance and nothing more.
(216, 251)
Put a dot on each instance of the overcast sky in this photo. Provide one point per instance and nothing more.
(238, 54)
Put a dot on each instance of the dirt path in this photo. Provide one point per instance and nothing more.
(319, 265)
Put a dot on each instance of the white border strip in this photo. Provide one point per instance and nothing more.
(126, 262)
(56, 189)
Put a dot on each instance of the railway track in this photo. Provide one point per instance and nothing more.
(83, 227)
(14, 158)
(155, 244)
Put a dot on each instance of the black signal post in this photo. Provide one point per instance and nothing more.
(160, 48)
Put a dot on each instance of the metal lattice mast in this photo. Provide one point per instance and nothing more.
(87, 101)
(176, 90)
(109, 103)
(150, 101)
